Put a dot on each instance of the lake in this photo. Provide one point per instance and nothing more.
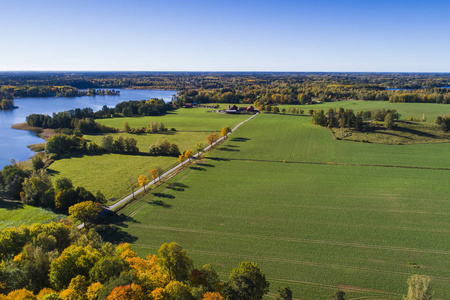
(14, 142)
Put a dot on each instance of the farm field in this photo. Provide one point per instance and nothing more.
(183, 119)
(109, 173)
(15, 214)
(356, 216)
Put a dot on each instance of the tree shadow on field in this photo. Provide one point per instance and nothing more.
(164, 195)
(226, 148)
(114, 234)
(10, 205)
(208, 165)
(219, 159)
(161, 204)
(239, 139)
(197, 168)
(177, 186)
(121, 219)
(52, 172)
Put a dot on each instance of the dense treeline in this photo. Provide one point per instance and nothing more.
(60, 261)
(279, 88)
(81, 121)
(27, 90)
(36, 188)
(7, 104)
(348, 119)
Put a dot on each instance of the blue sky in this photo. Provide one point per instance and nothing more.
(215, 35)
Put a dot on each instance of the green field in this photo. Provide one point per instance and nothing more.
(109, 173)
(183, 119)
(361, 217)
(15, 214)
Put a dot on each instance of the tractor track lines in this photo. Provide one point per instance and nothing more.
(299, 262)
(296, 240)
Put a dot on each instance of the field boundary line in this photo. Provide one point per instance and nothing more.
(299, 262)
(328, 163)
(296, 240)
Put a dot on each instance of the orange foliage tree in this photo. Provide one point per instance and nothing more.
(212, 296)
(213, 137)
(128, 292)
(188, 154)
(143, 181)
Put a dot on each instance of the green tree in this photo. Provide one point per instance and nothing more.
(275, 109)
(126, 126)
(389, 121)
(420, 288)
(84, 212)
(338, 295)
(174, 260)
(37, 163)
(284, 293)
(247, 283)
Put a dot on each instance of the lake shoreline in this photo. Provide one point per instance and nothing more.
(43, 133)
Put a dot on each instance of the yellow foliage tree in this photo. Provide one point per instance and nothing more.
(188, 154)
(143, 181)
(22, 294)
(158, 294)
(226, 130)
(44, 292)
(92, 290)
(125, 251)
(84, 211)
(181, 158)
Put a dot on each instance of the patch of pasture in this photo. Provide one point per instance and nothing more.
(183, 119)
(15, 214)
(315, 226)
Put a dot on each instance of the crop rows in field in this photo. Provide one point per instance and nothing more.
(330, 221)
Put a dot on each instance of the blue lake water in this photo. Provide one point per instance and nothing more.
(14, 142)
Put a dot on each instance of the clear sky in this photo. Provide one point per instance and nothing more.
(216, 35)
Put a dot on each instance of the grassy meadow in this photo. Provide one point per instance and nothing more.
(109, 173)
(15, 214)
(336, 214)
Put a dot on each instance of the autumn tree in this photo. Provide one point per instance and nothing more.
(275, 109)
(143, 181)
(226, 130)
(127, 292)
(174, 260)
(73, 261)
(212, 138)
(181, 158)
(419, 288)
(247, 283)
(212, 296)
(177, 290)
(84, 211)
(188, 154)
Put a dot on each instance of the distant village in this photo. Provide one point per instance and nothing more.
(232, 109)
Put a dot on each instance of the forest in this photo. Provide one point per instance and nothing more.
(278, 88)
